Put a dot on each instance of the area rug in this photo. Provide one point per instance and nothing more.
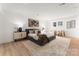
(56, 47)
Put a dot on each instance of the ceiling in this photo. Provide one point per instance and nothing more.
(40, 10)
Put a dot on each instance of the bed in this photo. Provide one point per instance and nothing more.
(41, 39)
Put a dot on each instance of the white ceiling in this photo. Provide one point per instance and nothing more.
(41, 10)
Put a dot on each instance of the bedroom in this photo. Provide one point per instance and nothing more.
(56, 20)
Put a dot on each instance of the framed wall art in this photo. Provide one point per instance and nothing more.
(54, 24)
(33, 23)
(60, 23)
(71, 24)
(68, 25)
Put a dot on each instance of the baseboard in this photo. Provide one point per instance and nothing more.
(6, 42)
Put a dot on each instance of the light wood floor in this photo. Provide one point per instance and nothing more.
(14, 49)
(19, 49)
(73, 48)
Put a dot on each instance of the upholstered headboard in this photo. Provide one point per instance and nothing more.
(34, 31)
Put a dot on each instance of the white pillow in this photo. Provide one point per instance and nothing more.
(34, 36)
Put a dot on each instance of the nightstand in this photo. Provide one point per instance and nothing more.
(19, 35)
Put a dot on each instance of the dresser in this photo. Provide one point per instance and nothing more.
(19, 35)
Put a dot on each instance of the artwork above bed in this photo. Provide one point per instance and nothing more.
(33, 23)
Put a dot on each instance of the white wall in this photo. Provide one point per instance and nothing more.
(73, 32)
(1, 29)
(8, 23)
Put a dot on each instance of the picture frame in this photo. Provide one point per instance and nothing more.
(60, 23)
(33, 23)
(68, 25)
(54, 24)
(71, 24)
